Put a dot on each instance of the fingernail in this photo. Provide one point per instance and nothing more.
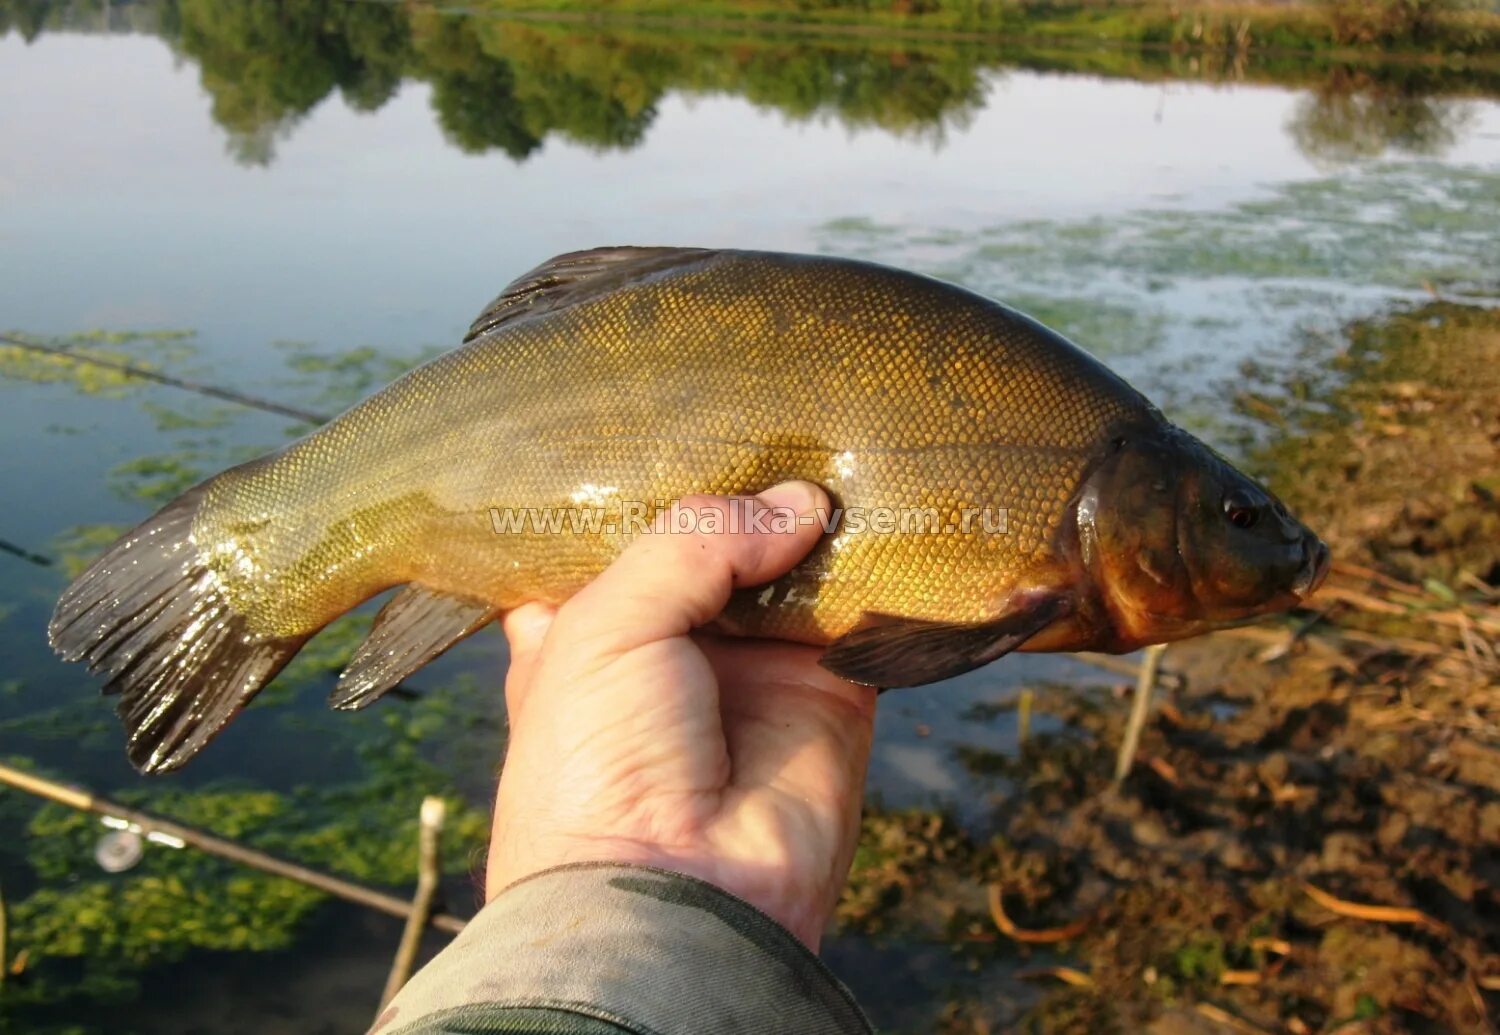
(527, 626)
(798, 497)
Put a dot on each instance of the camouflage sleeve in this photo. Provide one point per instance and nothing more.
(603, 949)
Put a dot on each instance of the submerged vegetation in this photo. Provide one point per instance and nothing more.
(88, 936)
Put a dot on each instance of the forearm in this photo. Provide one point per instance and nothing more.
(601, 949)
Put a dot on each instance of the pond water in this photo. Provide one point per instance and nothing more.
(298, 200)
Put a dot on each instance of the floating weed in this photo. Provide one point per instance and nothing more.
(82, 724)
(77, 547)
(173, 903)
(1158, 291)
(1122, 328)
(172, 418)
(325, 655)
(111, 336)
(150, 350)
(340, 379)
(156, 480)
(856, 227)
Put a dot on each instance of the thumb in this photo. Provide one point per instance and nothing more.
(525, 630)
(680, 574)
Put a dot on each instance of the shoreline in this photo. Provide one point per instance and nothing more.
(1457, 39)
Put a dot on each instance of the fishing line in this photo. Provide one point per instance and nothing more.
(141, 373)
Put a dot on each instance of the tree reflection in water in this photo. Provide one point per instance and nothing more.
(508, 85)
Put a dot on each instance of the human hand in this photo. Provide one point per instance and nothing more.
(634, 739)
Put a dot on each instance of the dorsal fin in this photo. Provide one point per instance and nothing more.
(569, 278)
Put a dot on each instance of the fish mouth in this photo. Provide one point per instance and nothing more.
(1315, 564)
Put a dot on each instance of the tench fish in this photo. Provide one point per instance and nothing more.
(996, 489)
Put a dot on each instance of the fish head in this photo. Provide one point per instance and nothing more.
(1178, 541)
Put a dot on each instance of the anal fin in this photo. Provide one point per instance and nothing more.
(415, 626)
(894, 652)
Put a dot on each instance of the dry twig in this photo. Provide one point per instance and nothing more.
(1045, 936)
(1067, 975)
(1367, 911)
(1164, 769)
(1139, 708)
(429, 872)
(1229, 1020)
(1279, 946)
(1240, 977)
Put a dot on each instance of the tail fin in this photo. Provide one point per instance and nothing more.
(155, 620)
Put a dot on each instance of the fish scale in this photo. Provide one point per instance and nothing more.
(643, 375)
(669, 391)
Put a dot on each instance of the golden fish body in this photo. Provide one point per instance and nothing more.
(724, 374)
(957, 437)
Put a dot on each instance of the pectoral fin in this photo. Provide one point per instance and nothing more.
(892, 652)
(414, 627)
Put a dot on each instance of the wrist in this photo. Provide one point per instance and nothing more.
(512, 861)
(769, 889)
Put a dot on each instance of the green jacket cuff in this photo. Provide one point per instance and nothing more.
(605, 948)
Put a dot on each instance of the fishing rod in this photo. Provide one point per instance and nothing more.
(177, 835)
(6, 546)
(198, 387)
(141, 373)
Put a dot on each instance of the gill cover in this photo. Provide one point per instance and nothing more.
(1178, 541)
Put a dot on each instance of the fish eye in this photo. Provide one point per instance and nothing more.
(1241, 510)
